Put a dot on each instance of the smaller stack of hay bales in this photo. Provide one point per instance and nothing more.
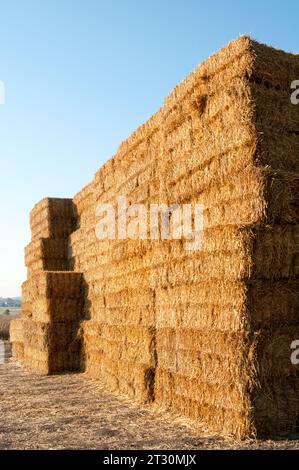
(51, 222)
(52, 297)
(50, 337)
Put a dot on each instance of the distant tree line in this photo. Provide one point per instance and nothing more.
(10, 302)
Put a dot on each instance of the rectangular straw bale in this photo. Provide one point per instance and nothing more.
(50, 264)
(276, 119)
(272, 302)
(18, 350)
(84, 198)
(264, 252)
(209, 316)
(210, 292)
(275, 252)
(131, 298)
(273, 67)
(273, 351)
(52, 218)
(16, 330)
(128, 378)
(193, 363)
(228, 305)
(53, 228)
(26, 310)
(211, 407)
(225, 395)
(136, 382)
(26, 300)
(56, 207)
(120, 315)
(221, 420)
(276, 408)
(57, 309)
(224, 344)
(51, 284)
(44, 249)
(193, 353)
(44, 363)
(126, 342)
(201, 171)
(119, 351)
(26, 292)
(48, 339)
(90, 327)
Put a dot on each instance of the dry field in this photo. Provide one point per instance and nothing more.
(69, 412)
(12, 310)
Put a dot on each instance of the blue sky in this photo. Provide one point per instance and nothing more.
(80, 76)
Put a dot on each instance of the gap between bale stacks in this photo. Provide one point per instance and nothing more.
(206, 334)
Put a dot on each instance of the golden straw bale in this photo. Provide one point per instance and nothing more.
(18, 350)
(52, 218)
(45, 248)
(16, 330)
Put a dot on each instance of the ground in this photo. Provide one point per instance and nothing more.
(12, 310)
(71, 412)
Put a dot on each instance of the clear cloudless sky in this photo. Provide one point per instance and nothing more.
(81, 75)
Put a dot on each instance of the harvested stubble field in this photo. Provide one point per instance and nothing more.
(69, 412)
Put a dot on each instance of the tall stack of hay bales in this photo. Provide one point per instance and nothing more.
(227, 316)
(203, 369)
(205, 333)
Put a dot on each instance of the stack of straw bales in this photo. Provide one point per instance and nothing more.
(227, 315)
(45, 337)
(50, 336)
(204, 333)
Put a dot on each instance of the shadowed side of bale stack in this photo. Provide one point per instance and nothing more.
(275, 398)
